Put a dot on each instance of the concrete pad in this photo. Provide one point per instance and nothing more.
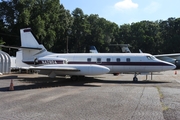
(99, 98)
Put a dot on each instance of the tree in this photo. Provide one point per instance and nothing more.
(54, 26)
(64, 31)
(80, 29)
(170, 33)
(42, 17)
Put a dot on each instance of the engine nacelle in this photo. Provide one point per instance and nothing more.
(73, 69)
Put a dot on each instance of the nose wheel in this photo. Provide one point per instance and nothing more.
(135, 79)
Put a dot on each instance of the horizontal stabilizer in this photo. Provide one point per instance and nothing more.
(21, 47)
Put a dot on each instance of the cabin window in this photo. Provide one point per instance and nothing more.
(98, 60)
(108, 60)
(118, 59)
(128, 60)
(89, 59)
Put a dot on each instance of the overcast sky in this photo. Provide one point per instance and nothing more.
(127, 11)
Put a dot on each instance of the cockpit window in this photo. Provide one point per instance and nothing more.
(150, 57)
(153, 57)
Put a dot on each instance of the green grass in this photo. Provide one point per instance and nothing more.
(164, 107)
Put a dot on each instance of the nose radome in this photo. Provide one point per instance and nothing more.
(170, 66)
(173, 67)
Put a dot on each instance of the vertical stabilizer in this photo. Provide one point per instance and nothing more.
(93, 49)
(27, 38)
(31, 49)
(124, 47)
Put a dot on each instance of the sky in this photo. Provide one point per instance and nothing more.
(127, 11)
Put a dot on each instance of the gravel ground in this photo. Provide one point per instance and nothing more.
(104, 97)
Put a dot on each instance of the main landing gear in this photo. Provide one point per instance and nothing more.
(135, 79)
(76, 77)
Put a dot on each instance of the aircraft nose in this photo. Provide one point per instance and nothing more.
(169, 66)
(173, 66)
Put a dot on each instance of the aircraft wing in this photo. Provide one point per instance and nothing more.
(172, 58)
(168, 55)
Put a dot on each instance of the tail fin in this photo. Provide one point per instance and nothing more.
(27, 39)
(93, 49)
(124, 47)
(31, 49)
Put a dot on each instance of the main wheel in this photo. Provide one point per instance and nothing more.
(135, 79)
(74, 77)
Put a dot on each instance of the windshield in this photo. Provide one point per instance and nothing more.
(150, 57)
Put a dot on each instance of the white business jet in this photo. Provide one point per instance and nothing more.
(81, 64)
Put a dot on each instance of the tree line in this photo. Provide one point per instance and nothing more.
(58, 29)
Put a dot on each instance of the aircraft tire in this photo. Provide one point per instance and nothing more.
(135, 79)
(74, 77)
